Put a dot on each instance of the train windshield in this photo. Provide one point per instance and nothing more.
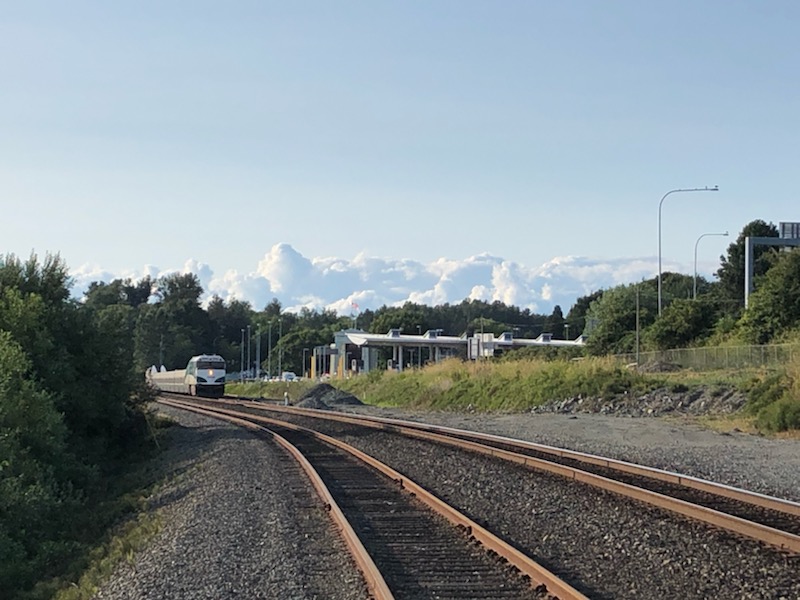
(211, 364)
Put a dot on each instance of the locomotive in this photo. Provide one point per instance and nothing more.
(204, 375)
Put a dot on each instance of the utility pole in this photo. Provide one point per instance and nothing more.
(249, 364)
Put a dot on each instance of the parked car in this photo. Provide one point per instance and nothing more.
(288, 376)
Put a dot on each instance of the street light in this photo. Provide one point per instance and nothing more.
(694, 295)
(241, 363)
(704, 189)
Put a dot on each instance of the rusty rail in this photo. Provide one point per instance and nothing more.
(526, 565)
(372, 575)
(769, 535)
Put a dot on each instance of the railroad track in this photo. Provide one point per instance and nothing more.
(770, 520)
(402, 546)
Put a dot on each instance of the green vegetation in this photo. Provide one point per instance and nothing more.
(72, 427)
(507, 386)
(774, 398)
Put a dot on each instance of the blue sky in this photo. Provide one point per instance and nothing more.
(156, 133)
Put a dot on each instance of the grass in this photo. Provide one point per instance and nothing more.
(104, 559)
(517, 385)
(498, 386)
(773, 394)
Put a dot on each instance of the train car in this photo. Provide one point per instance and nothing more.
(204, 375)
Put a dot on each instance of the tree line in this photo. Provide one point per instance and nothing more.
(169, 324)
(70, 415)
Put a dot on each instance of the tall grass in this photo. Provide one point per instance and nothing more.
(507, 385)
(775, 399)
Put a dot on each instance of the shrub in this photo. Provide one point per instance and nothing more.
(781, 415)
(764, 392)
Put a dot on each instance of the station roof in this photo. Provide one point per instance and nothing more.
(433, 337)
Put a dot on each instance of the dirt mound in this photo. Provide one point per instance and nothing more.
(325, 395)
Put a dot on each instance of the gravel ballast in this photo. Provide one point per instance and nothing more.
(609, 547)
(752, 462)
(240, 520)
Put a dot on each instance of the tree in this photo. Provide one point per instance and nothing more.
(555, 323)
(611, 319)
(408, 318)
(775, 305)
(731, 271)
(576, 317)
(681, 323)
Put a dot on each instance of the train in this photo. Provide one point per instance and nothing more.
(204, 375)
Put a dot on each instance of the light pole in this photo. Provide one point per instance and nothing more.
(280, 347)
(305, 351)
(269, 352)
(241, 363)
(704, 189)
(249, 364)
(258, 353)
(694, 293)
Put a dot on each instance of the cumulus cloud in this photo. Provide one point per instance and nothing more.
(339, 284)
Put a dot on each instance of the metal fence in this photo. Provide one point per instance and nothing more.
(719, 357)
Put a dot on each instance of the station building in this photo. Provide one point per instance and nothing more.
(357, 351)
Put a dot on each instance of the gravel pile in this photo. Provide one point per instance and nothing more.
(605, 545)
(325, 396)
(240, 520)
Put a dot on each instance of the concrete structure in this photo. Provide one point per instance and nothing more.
(356, 351)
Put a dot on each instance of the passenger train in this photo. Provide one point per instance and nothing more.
(203, 376)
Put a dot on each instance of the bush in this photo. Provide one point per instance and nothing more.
(782, 415)
(761, 393)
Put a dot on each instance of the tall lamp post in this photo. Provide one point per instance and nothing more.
(241, 363)
(249, 365)
(703, 189)
(694, 292)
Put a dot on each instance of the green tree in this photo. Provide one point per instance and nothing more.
(576, 317)
(555, 323)
(731, 270)
(611, 319)
(775, 305)
(681, 324)
(35, 493)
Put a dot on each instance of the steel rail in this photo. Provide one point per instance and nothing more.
(733, 493)
(372, 575)
(769, 535)
(537, 574)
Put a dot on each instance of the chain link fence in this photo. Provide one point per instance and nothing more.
(719, 357)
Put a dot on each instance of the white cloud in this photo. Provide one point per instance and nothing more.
(336, 283)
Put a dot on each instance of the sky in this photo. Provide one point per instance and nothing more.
(331, 153)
